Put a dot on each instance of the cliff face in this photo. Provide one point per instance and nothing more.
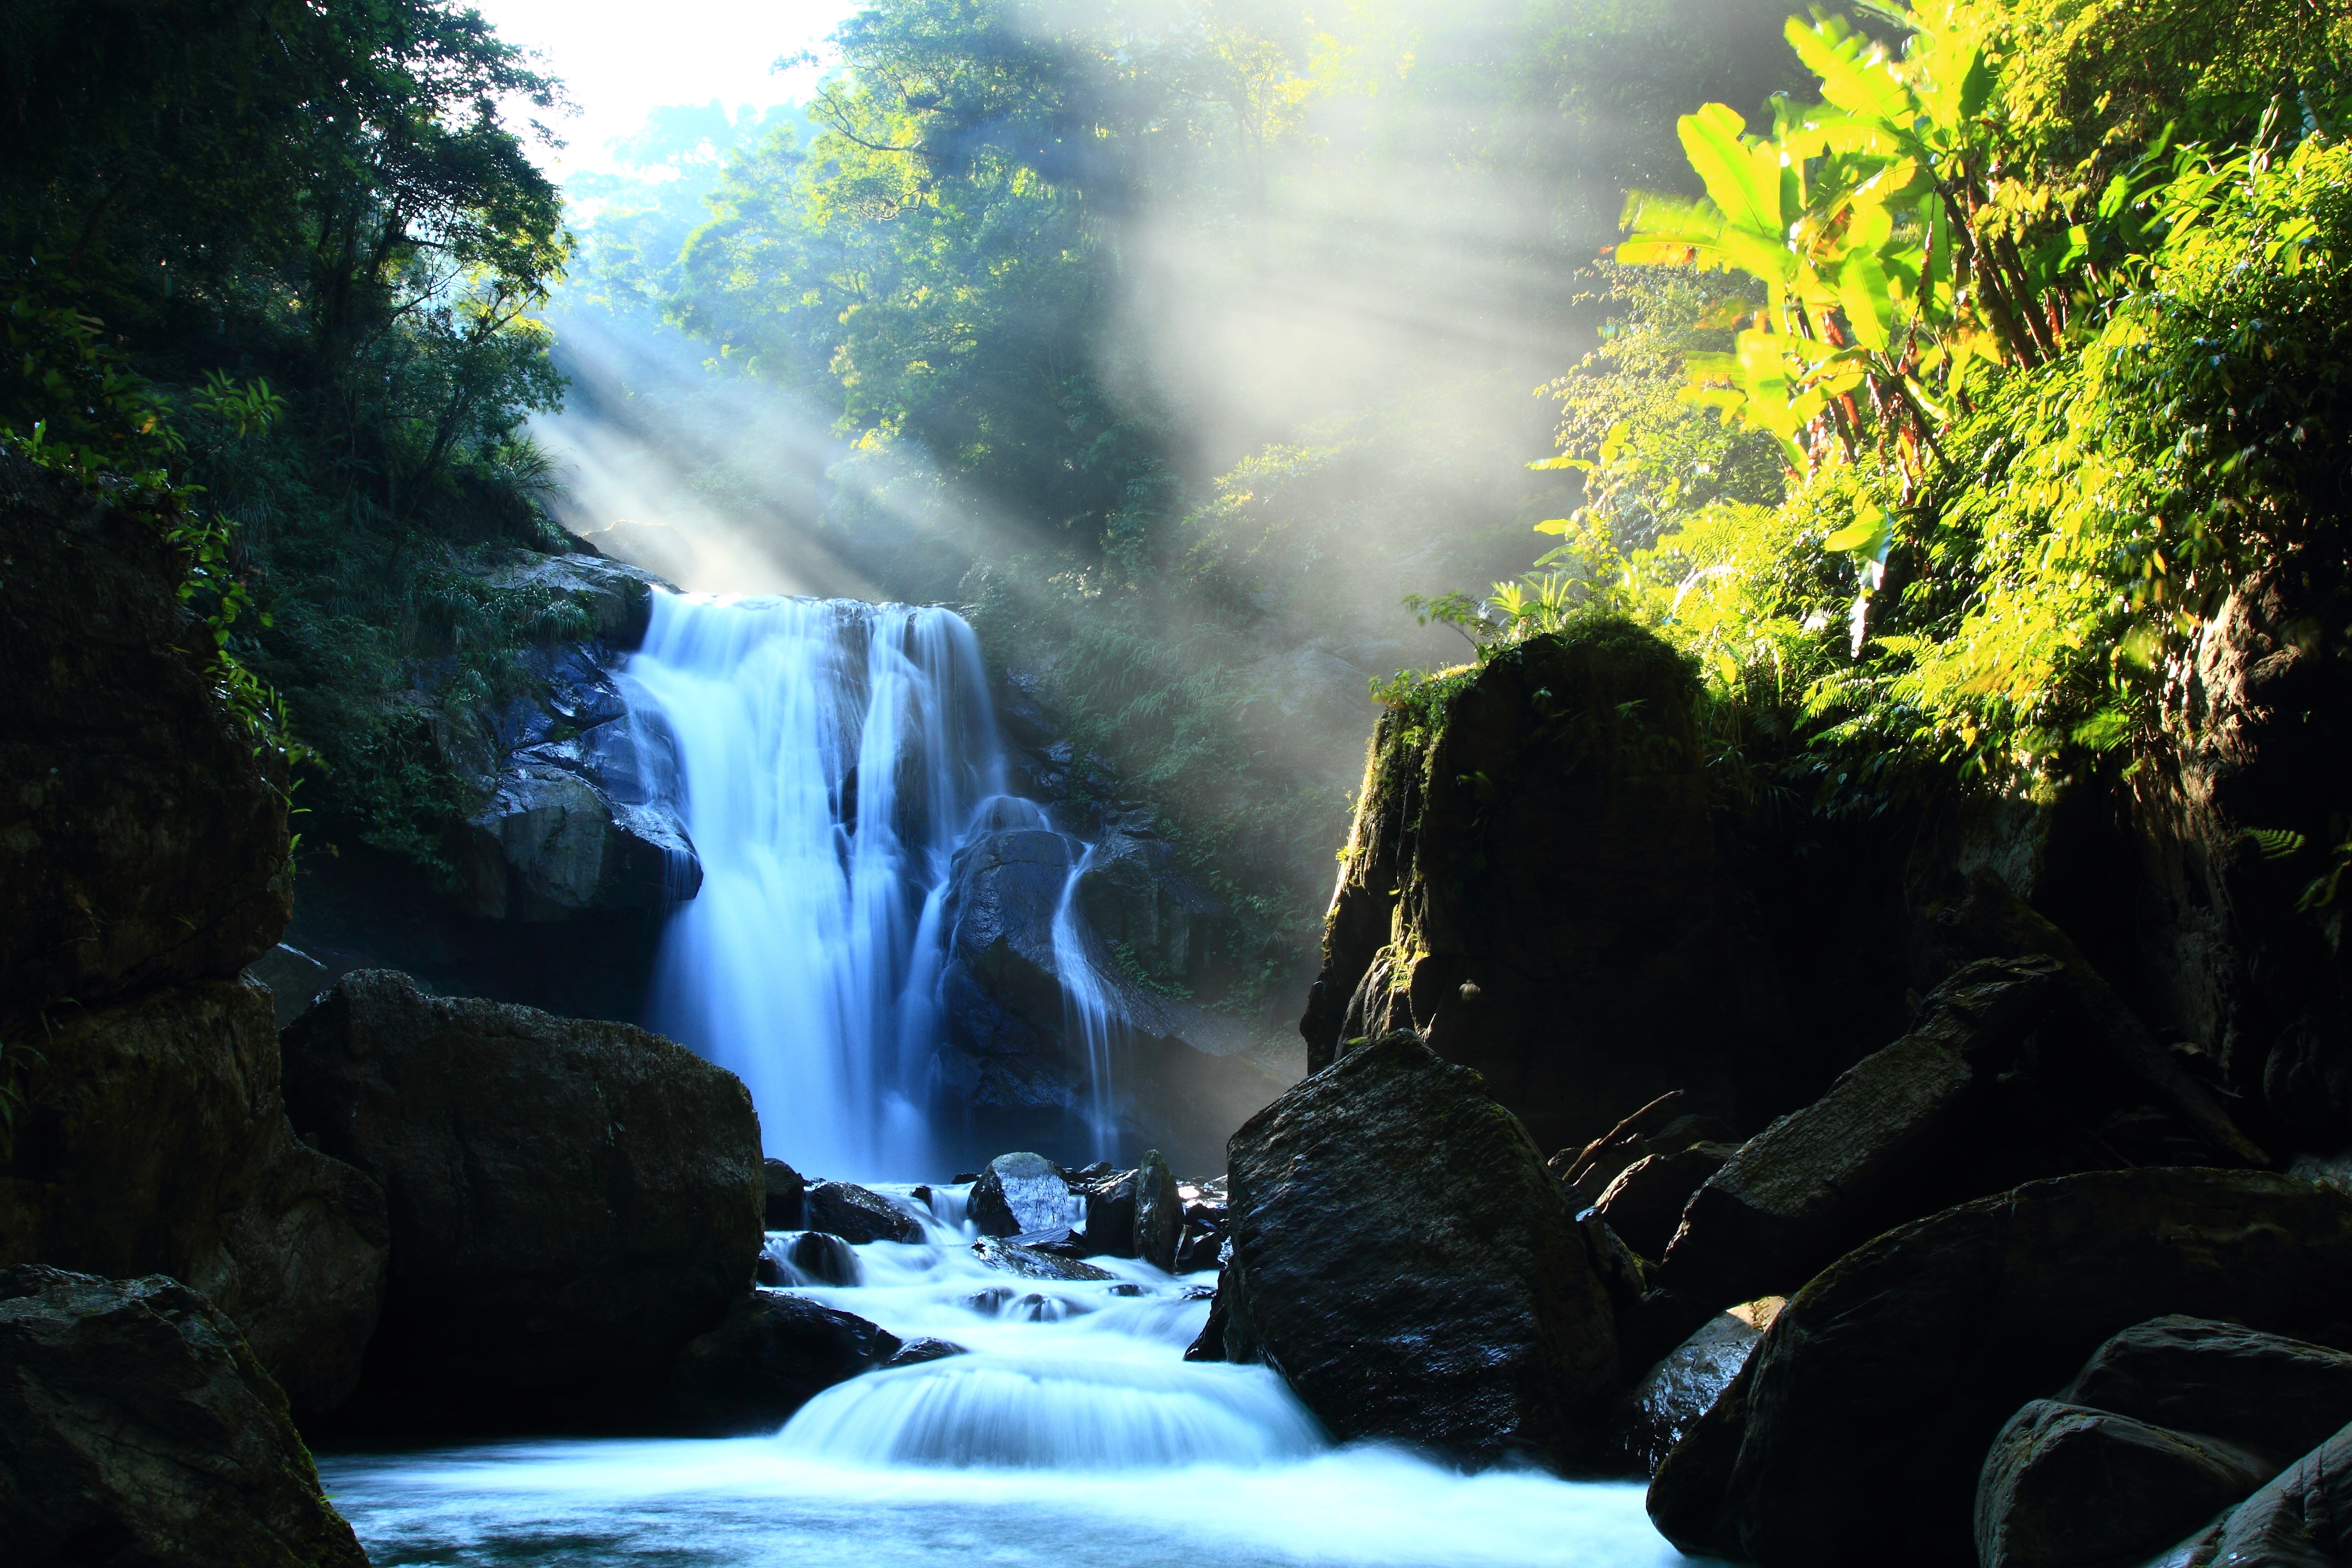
(1533, 877)
(144, 861)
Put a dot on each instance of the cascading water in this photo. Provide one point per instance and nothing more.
(830, 756)
(1089, 1015)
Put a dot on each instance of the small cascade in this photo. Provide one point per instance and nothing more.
(828, 758)
(1089, 1015)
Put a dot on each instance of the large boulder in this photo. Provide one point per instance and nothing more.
(2279, 1397)
(142, 834)
(1533, 879)
(770, 1355)
(571, 1201)
(2298, 1521)
(154, 1140)
(550, 845)
(2064, 1486)
(1400, 1255)
(1135, 897)
(1856, 1431)
(1110, 1214)
(1826, 1178)
(1019, 1194)
(136, 1427)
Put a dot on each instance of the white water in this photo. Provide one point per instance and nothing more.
(831, 756)
(1073, 1434)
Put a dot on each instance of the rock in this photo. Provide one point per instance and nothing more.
(1826, 1178)
(786, 1210)
(550, 846)
(2297, 1521)
(857, 1215)
(1033, 1264)
(571, 1201)
(1862, 1420)
(154, 1140)
(1400, 1255)
(143, 834)
(1534, 864)
(1667, 1402)
(1135, 895)
(1199, 1250)
(2278, 1397)
(821, 1259)
(1644, 1203)
(1588, 1172)
(1110, 1215)
(771, 1355)
(1159, 1212)
(136, 1427)
(2064, 1486)
(294, 980)
(914, 1352)
(615, 598)
(1019, 1193)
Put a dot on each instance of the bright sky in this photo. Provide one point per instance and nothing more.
(619, 61)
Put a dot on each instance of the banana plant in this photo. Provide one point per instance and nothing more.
(1845, 212)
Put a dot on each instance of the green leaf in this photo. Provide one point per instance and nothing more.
(1711, 140)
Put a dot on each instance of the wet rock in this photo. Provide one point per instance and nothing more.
(857, 1215)
(154, 1140)
(552, 845)
(136, 1427)
(1644, 1203)
(614, 597)
(2063, 1487)
(771, 1355)
(1860, 1424)
(1136, 895)
(1019, 1193)
(820, 1258)
(571, 1201)
(1667, 1402)
(1110, 1214)
(1401, 1255)
(1032, 1265)
(2278, 1397)
(1159, 1212)
(2297, 1520)
(294, 980)
(1199, 1250)
(786, 1208)
(142, 837)
(1828, 1177)
(914, 1352)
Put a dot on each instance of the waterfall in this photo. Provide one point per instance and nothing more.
(829, 757)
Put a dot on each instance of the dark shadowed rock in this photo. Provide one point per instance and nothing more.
(820, 1258)
(1030, 1264)
(771, 1355)
(784, 1189)
(1159, 1212)
(550, 845)
(294, 979)
(1863, 1417)
(136, 1428)
(1644, 1203)
(1663, 1406)
(142, 834)
(2063, 1487)
(1110, 1214)
(856, 1214)
(914, 1352)
(156, 1141)
(1019, 1193)
(571, 1201)
(1826, 1178)
(1533, 880)
(1400, 1255)
(2279, 1397)
(2302, 1519)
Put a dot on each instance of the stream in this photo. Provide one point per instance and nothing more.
(1075, 1433)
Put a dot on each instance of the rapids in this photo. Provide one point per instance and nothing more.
(1073, 1434)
